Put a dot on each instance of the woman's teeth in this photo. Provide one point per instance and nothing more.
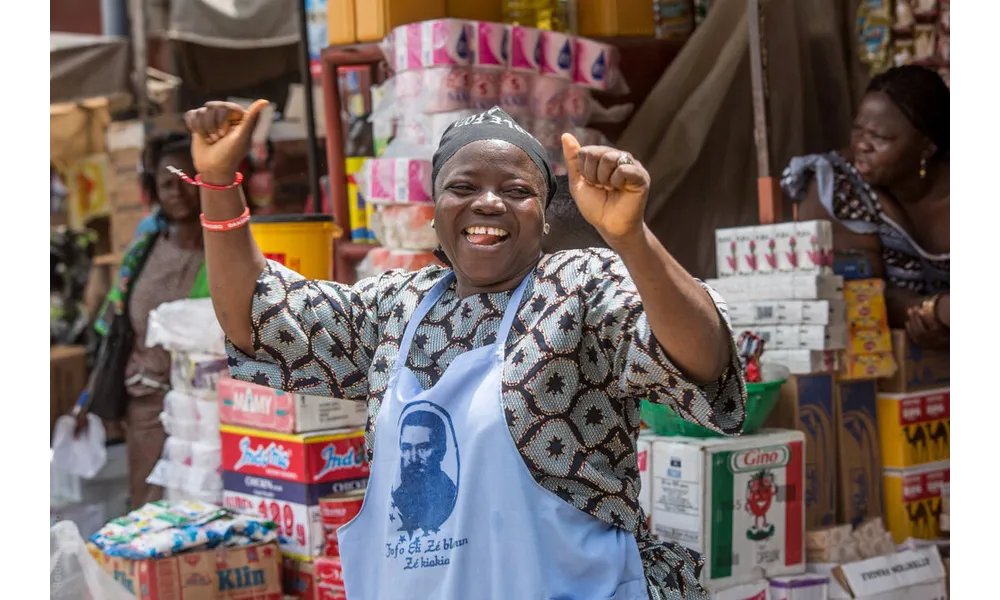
(484, 236)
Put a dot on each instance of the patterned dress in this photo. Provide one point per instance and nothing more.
(853, 203)
(579, 356)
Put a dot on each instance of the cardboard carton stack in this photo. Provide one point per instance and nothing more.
(779, 284)
(914, 429)
(945, 518)
(290, 458)
(869, 347)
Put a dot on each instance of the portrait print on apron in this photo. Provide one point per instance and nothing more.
(426, 487)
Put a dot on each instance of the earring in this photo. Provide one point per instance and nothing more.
(923, 168)
(545, 229)
(432, 223)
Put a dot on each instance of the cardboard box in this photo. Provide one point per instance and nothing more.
(486, 10)
(341, 22)
(250, 405)
(914, 428)
(868, 366)
(737, 501)
(124, 183)
(644, 454)
(829, 537)
(67, 380)
(807, 404)
(318, 457)
(788, 312)
(859, 452)
(598, 18)
(124, 223)
(804, 362)
(220, 574)
(865, 301)
(917, 369)
(294, 507)
(374, 19)
(798, 286)
(909, 575)
(913, 500)
(321, 579)
(756, 590)
(336, 511)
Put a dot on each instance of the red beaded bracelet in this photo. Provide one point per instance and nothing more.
(229, 225)
(198, 182)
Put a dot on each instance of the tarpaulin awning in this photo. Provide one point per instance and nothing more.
(87, 66)
(237, 24)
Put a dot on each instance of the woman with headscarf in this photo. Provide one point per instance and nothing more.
(165, 262)
(889, 196)
(503, 390)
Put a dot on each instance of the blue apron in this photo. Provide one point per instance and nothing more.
(452, 512)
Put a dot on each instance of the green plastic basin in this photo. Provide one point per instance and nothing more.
(761, 400)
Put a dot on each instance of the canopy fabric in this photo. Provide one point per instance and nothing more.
(87, 66)
(694, 133)
(236, 24)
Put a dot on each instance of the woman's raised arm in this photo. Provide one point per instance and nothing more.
(220, 134)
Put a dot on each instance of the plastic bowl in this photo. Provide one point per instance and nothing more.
(761, 400)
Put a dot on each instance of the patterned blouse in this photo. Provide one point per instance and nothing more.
(579, 356)
(852, 202)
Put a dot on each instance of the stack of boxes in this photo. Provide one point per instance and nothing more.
(914, 428)
(805, 494)
(778, 282)
(290, 458)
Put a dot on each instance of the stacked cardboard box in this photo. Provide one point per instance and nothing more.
(945, 519)
(778, 283)
(914, 429)
(737, 501)
(858, 452)
(286, 457)
(869, 348)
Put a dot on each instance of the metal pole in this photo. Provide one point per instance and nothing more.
(307, 80)
(140, 56)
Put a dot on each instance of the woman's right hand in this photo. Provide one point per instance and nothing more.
(220, 138)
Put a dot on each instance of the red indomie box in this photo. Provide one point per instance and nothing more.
(316, 457)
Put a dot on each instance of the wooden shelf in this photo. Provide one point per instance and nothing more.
(347, 253)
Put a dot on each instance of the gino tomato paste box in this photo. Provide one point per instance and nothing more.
(738, 501)
(317, 457)
(250, 405)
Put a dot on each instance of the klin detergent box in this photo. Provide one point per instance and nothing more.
(293, 507)
(308, 458)
(250, 405)
(737, 501)
(219, 574)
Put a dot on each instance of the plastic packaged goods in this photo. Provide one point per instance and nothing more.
(395, 180)
(405, 227)
(437, 43)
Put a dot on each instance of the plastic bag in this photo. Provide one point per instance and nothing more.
(186, 325)
(83, 456)
(73, 573)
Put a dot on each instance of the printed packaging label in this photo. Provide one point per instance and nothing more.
(250, 405)
(318, 457)
(913, 501)
(914, 428)
(859, 465)
(300, 529)
(738, 501)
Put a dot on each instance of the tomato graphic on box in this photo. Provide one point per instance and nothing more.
(761, 491)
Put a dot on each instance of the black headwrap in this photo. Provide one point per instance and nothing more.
(493, 124)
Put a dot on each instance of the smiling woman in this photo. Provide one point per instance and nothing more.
(503, 391)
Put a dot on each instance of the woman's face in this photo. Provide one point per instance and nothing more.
(886, 148)
(488, 213)
(178, 199)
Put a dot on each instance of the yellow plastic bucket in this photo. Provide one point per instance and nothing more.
(303, 243)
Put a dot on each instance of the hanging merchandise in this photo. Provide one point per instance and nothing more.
(905, 32)
(316, 33)
(674, 18)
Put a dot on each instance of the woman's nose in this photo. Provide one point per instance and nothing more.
(489, 203)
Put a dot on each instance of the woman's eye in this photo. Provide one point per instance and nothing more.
(519, 192)
(461, 188)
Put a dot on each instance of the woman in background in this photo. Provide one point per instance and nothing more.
(166, 262)
(889, 196)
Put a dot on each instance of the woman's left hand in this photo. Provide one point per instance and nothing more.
(609, 187)
(925, 329)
